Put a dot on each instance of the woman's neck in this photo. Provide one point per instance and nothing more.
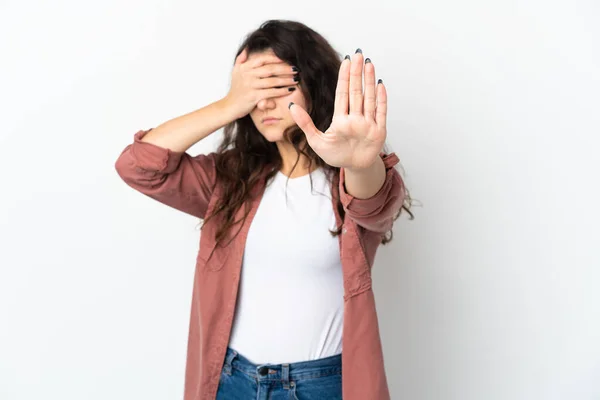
(288, 159)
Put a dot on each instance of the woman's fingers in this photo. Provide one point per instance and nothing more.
(370, 94)
(276, 92)
(242, 57)
(382, 106)
(340, 106)
(349, 98)
(355, 88)
(277, 69)
(264, 59)
(278, 81)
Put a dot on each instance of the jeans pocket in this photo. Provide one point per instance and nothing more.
(292, 391)
(324, 387)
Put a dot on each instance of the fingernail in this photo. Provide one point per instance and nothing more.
(368, 60)
(291, 89)
(347, 57)
(295, 69)
(358, 51)
(380, 81)
(290, 105)
(296, 78)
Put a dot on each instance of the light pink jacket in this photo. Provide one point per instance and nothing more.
(189, 184)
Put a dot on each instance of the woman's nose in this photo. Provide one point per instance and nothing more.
(266, 104)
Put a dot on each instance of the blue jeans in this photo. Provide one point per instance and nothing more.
(310, 380)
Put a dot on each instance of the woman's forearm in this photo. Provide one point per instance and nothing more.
(181, 133)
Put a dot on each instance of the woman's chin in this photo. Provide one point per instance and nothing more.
(273, 136)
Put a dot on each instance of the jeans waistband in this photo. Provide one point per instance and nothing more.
(284, 372)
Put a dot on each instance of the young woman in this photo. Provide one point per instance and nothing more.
(294, 204)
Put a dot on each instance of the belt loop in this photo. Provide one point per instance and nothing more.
(285, 375)
(228, 360)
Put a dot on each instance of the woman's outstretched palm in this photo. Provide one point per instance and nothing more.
(358, 128)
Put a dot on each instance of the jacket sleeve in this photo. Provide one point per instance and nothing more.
(173, 178)
(377, 212)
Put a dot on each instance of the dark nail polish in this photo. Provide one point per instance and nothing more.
(380, 81)
(347, 57)
(296, 78)
(290, 105)
(291, 89)
(358, 51)
(368, 60)
(295, 69)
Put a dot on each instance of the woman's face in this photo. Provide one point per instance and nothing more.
(276, 107)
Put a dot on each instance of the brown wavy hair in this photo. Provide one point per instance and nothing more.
(245, 158)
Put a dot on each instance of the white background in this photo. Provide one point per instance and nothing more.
(491, 293)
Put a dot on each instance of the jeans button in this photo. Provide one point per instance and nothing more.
(262, 371)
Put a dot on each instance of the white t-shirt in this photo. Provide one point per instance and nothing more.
(290, 303)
